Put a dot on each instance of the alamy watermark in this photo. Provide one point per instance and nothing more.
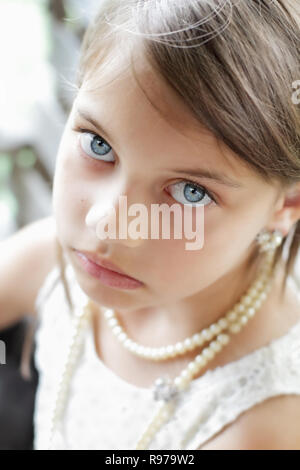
(183, 216)
(2, 352)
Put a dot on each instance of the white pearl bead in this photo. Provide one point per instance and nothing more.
(201, 360)
(141, 444)
(223, 323)
(264, 279)
(246, 300)
(165, 412)
(132, 346)
(208, 353)
(108, 313)
(216, 346)
(123, 337)
(253, 292)
(72, 361)
(186, 374)
(173, 353)
(198, 339)
(265, 236)
(184, 383)
(214, 329)
(159, 422)
(84, 321)
(223, 338)
(231, 316)
(257, 304)
(244, 320)
(251, 312)
(178, 381)
(75, 337)
(152, 429)
(235, 328)
(113, 322)
(179, 347)
(146, 439)
(259, 285)
(239, 309)
(206, 334)
(188, 343)
(192, 367)
(268, 288)
(117, 330)
(66, 374)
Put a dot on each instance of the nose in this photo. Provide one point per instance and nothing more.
(107, 218)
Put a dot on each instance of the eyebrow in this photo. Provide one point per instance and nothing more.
(213, 175)
(87, 116)
(218, 177)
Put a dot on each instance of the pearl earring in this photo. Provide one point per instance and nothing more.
(269, 240)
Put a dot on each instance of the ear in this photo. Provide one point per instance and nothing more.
(287, 210)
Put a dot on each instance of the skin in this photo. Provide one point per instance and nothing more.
(184, 291)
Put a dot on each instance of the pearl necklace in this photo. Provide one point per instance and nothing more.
(166, 390)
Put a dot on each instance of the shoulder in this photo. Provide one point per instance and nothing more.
(274, 424)
(26, 259)
(270, 425)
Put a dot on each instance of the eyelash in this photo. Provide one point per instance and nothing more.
(211, 195)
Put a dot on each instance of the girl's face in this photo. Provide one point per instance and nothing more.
(148, 160)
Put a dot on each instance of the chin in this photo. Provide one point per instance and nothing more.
(106, 296)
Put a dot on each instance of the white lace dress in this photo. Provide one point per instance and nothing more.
(105, 412)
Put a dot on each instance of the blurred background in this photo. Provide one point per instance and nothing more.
(39, 50)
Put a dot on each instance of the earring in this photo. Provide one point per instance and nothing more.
(269, 240)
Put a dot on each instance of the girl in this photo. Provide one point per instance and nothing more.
(190, 103)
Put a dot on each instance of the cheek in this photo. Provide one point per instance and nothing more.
(69, 198)
(228, 240)
(231, 233)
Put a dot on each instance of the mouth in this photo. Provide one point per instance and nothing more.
(106, 271)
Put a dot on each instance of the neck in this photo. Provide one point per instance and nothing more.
(170, 323)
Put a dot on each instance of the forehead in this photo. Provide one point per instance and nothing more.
(138, 81)
(141, 94)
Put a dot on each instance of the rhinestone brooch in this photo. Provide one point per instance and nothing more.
(164, 389)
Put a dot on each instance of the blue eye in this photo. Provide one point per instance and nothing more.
(95, 147)
(191, 194)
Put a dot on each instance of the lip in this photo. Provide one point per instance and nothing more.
(104, 263)
(106, 271)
